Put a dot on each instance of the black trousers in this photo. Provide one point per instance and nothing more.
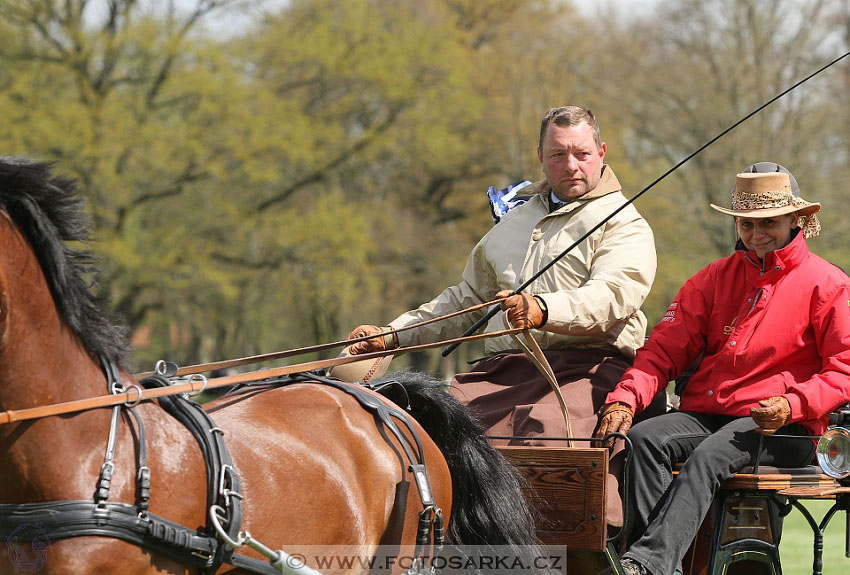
(713, 447)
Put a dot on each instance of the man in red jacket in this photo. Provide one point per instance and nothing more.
(770, 329)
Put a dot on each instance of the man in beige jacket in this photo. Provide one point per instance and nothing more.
(584, 311)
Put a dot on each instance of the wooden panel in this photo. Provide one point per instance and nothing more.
(746, 518)
(775, 479)
(567, 485)
(814, 492)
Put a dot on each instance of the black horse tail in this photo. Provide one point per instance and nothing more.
(488, 506)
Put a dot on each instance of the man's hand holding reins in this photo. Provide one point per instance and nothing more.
(380, 342)
(615, 418)
(773, 414)
(524, 311)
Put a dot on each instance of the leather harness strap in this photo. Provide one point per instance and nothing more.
(206, 551)
(80, 518)
(68, 519)
(431, 516)
(223, 484)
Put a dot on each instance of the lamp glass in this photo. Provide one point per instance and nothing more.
(833, 452)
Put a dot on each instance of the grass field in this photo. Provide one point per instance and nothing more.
(797, 542)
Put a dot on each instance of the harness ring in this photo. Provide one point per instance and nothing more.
(203, 387)
(216, 521)
(133, 403)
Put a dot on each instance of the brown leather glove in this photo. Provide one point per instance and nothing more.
(524, 310)
(374, 344)
(615, 418)
(773, 414)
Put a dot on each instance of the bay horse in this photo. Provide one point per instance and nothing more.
(316, 468)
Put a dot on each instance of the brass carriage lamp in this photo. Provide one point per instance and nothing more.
(833, 451)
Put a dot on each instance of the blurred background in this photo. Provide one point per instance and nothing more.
(268, 175)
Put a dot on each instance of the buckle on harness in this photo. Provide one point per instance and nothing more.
(225, 480)
(422, 484)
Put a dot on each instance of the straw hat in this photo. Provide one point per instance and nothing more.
(771, 194)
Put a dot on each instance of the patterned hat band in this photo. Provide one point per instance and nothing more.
(773, 199)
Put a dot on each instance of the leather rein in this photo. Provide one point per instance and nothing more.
(197, 383)
(228, 363)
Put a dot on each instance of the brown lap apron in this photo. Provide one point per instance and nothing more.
(511, 397)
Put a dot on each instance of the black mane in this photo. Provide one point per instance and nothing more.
(49, 213)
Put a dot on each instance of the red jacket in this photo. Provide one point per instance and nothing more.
(781, 331)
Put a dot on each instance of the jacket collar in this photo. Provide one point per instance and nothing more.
(608, 184)
(784, 258)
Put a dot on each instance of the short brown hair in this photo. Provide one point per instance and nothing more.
(569, 116)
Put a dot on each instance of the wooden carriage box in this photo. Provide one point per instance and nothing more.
(567, 486)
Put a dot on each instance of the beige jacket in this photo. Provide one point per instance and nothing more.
(593, 294)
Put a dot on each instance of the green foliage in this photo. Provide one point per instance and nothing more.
(325, 164)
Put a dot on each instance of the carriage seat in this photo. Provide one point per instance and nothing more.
(776, 479)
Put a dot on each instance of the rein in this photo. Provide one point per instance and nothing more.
(228, 363)
(135, 394)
